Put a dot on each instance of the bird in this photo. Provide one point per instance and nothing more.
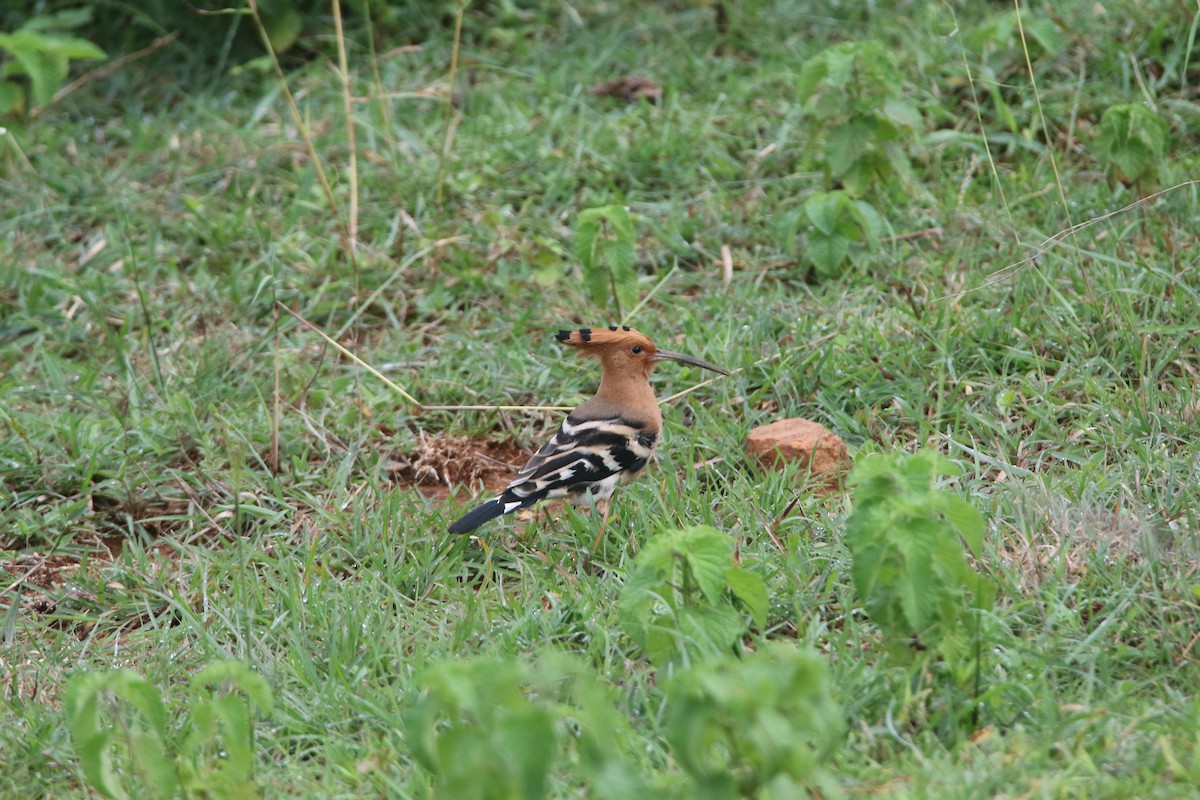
(605, 441)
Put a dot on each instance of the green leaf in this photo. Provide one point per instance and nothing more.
(605, 244)
(68, 19)
(1046, 33)
(906, 543)
(76, 49)
(12, 98)
(827, 253)
(709, 631)
(283, 29)
(760, 718)
(869, 220)
(587, 237)
(619, 254)
(238, 676)
(93, 735)
(966, 519)
(707, 553)
(148, 753)
(845, 146)
(750, 589)
(677, 602)
(902, 113)
(824, 210)
(46, 69)
(92, 741)
(487, 728)
(1133, 139)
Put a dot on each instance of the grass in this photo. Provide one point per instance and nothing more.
(152, 230)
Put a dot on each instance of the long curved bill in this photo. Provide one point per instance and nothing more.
(667, 355)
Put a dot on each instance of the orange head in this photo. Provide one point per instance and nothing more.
(625, 350)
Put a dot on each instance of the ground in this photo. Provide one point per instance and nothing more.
(956, 259)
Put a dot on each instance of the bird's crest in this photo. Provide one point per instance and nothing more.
(604, 338)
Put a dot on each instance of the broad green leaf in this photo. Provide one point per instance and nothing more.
(919, 590)
(707, 553)
(1133, 138)
(766, 715)
(68, 19)
(75, 49)
(1045, 32)
(827, 253)
(663, 641)
(824, 209)
(148, 752)
(239, 676)
(531, 744)
(966, 519)
(710, 631)
(869, 220)
(787, 228)
(619, 255)
(12, 98)
(587, 233)
(902, 114)
(237, 732)
(91, 739)
(750, 589)
(812, 75)
(844, 146)
(908, 560)
(587, 236)
(283, 29)
(46, 70)
(93, 734)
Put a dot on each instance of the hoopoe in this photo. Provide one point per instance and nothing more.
(605, 441)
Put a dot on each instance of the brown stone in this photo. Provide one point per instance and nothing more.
(803, 441)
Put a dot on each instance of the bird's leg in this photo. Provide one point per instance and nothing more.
(603, 506)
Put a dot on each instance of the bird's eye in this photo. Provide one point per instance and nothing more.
(636, 350)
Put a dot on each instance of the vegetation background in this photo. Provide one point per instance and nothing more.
(962, 235)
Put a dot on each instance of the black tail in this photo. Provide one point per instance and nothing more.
(488, 511)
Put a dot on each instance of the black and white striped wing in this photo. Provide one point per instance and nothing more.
(590, 455)
(582, 455)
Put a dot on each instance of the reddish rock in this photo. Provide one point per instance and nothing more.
(800, 440)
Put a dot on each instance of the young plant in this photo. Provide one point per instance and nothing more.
(119, 727)
(906, 539)
(494, 728)
(605, 246)
(854, 98)
(763, 722)
(840, 231)
(686, 601)
(41, 51)
(1131, 143)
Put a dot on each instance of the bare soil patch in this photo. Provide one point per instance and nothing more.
(442, 462)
